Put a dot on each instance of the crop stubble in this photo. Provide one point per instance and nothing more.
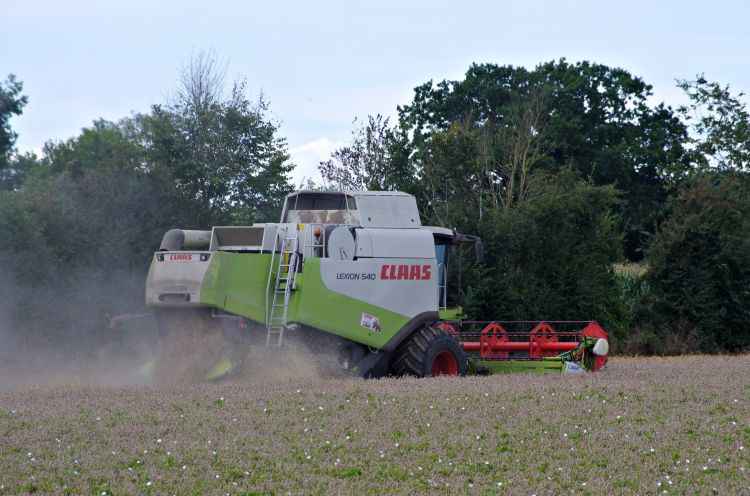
(641, 426)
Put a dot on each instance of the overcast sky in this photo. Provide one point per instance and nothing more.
(323, 63)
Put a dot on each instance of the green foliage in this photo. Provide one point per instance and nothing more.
(720, 125)
(634, 292)
(551, 257)
(699, 265)
(75, 250)
(20, 169)
(81, 223)
(102, 147)
(11, 103)
(23, 235)
(224, 157)
(377, 159)
(557, 169)
(487, 152)
(450, 198)
(588, 116)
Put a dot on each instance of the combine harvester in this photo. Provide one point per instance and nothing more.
(353, 275)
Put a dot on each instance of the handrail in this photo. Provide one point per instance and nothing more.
(270, 267)
(443, 284)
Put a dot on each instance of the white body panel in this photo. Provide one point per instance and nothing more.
(405, 286)
(341, 244)
(394, 243)
(387, 209)
(178, 276)
(391, 210)
(196, 240)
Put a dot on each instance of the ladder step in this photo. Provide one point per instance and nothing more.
(283, 285)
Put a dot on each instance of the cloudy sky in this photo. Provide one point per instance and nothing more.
(323, 63)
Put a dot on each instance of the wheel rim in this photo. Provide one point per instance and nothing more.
(445, 364)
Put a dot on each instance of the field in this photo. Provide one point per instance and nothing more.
(642, 426)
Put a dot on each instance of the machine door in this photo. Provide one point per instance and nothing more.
(442, 256)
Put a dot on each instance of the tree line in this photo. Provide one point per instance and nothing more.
(567, 171)
(571, 176)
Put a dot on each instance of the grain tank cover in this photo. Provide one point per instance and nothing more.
(377, 209)
(391, 209)
(255, 238)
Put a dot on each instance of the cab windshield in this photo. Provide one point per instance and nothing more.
(321, 208)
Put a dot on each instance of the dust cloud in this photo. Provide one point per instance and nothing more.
(58, 334)
(192, 342)
(294, 361)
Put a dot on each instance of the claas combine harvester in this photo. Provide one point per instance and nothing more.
(353, 275)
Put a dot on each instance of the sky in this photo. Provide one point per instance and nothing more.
(322, 63)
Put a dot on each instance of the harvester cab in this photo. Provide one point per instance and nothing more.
(353, 274)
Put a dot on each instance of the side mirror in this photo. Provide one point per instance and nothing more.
(478, 250)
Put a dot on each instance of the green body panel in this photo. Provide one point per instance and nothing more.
(315, 305)
(543, 365)
(452, 313)
(237, 282)
(513, 366)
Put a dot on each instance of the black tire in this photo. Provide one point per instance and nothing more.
(427, 350)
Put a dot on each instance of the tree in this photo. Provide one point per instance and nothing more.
(222, 154)
(699, 265)
(450, 175)
(719, 125)
(522, 146)
(473, 168)
(594, 118)
(104, 146)
(11, 103)
(73, 250)
(377, 159)
(19, 169)
(551, 257)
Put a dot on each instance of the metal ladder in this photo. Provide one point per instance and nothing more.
(282, 287)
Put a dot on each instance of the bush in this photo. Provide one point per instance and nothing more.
(699, 267)
(550, 258)
(73, 251)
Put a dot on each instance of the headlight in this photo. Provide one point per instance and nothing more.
(601, 348)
